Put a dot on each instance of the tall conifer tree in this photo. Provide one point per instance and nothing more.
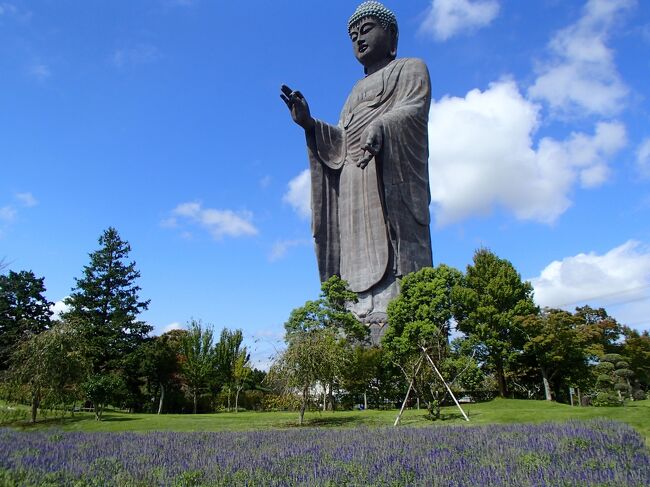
(23, 310)
(106, 303)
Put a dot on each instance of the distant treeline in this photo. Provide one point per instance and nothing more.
(98, 353)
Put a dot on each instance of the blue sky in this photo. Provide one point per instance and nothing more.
(162, 118)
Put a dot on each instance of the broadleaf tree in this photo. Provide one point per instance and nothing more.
(159, 363)
(329, 312)
(49, 365)
(311, 356)
(420, 319)
(557, 343)
(227, 350)
(198, 359)
(486, 306)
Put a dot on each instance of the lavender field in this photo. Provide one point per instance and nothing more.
(602, 453)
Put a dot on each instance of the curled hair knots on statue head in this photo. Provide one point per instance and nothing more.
(384, 16)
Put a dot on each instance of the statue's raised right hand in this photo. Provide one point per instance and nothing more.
(298, 107)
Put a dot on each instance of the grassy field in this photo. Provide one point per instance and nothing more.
(498, 411)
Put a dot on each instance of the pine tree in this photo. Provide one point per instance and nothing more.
(23, 310)
(106, 303)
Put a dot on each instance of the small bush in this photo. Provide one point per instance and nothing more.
(606, 399)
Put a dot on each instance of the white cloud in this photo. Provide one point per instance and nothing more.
(298, 195)
(281, 248)
(219, 223)
(7, 213)
(643, 158)
(447, 18)
(27, 199)
(482, 155)
(59, 308)
(173, 326)
(139, 54)
(582, 76)
(618, 279)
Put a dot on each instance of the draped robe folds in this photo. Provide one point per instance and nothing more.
(372, 224)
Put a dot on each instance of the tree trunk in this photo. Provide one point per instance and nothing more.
(229, 399)
(365, 401)
(238, 390)
(629, 389)
(547, 385)
(303, 406)
(162, 398)
(35, 404)
(195, 400)
(501, 379)
(98, 411)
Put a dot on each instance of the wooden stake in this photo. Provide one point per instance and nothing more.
(399, 416)
(445, 383)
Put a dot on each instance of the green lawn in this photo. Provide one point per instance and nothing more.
(637, 414)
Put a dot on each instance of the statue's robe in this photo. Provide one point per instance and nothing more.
(373, 223)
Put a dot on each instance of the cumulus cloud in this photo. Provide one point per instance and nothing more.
(482, 155)
(298, 195)
(447, 18)
(581, 74)
(619, 279)
(138, 54)
(281, 248)
(219, 223)
(643, 158)
(173, 326)
(59, 308)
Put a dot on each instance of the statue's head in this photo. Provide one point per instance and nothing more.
(374, 33)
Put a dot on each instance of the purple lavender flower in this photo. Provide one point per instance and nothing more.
(575, 453)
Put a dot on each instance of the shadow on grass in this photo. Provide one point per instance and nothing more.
(323, 422)
(337, 421)
(53, 422)
(450, 417)
(116, 419)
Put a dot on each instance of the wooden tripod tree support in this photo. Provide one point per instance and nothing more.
(424, 350)
(408, 392)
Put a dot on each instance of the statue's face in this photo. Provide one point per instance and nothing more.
(371, 42)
